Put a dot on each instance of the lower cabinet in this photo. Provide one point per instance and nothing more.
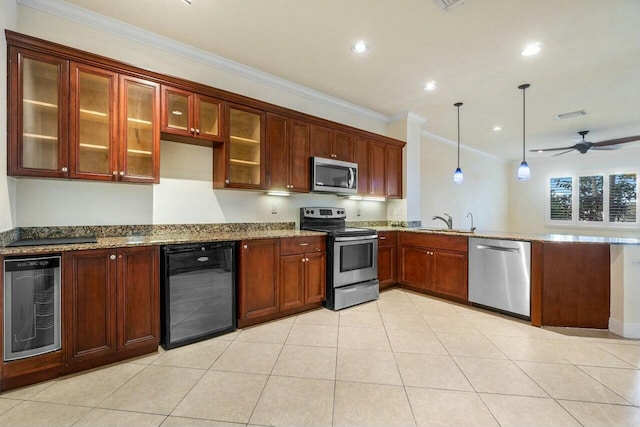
(278, 277)
(387, 258)
(112, 303)
(434, 263)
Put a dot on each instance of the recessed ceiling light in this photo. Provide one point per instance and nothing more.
(430, 85)
(531, 49)
(187, 1)
(497, 128)
(360, 47)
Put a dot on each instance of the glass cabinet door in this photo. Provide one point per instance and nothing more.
(39, 90)
(177, 111)
(246, 153)
(93, 122)
(207, 125)
(141, 133)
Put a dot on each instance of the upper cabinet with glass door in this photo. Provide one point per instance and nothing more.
(38, 91)
(245, 167)
(139, 153)
(190, 115)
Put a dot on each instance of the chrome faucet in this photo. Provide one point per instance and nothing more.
(448, 221)
(472, 229)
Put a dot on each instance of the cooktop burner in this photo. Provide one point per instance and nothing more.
(331, 221)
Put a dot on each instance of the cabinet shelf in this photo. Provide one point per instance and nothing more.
(243, 162)
(40, 103)
(139, 152)
(244, 140)
(38, 136)
(95, 147)
(93, 113)
(139, 121)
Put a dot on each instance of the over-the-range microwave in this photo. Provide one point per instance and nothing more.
(334, 176)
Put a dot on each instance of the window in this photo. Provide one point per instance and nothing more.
(595, 200)
(560, 198)
(622, 197)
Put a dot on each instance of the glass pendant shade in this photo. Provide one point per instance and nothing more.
(523, 172)
(458, 177)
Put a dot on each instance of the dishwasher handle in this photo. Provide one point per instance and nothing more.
(498, 248)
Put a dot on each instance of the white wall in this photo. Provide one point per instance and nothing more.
(184, 194)
(484, 191)
(8, 20)
(527, 199)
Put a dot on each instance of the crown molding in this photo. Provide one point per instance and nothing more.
(131, 32)
(409, 116)
(440, 139)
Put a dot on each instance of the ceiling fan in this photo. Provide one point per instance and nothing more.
(584, 146)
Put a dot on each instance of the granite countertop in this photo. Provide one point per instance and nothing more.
(160, 239)
(551, 238)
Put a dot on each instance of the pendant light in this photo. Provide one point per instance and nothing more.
(523, 170)
(458, 177)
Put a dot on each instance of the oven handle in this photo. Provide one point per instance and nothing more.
(354, 238)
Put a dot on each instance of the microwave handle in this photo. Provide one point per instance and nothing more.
(351, 178)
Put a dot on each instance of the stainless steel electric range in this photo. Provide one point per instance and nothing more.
(352, 257)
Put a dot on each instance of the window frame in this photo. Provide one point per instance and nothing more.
(574, 222)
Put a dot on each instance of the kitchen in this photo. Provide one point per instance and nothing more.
(184, 194)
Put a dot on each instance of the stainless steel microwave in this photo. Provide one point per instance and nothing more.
(334, 176)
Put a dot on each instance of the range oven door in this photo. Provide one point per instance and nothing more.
(355, 259)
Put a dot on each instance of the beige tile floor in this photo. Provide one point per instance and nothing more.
(404, 360)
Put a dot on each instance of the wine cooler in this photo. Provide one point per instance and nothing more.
(32, 321)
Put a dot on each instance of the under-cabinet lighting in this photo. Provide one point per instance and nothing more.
(374, 199)
(354, 197)
(278, 193)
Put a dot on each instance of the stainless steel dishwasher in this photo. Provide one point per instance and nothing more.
(499, 275)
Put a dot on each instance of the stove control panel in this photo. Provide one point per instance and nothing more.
(325, 213)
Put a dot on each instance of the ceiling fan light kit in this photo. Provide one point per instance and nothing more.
(524, 174)
(458, 177)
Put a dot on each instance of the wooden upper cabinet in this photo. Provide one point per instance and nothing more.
(190, 115)
(331, 144)
(393, 170)
(361, 157)
(288, 146)
(377, 169)
(38, 112)
(139, 151)
(245, 151)
(93, 123)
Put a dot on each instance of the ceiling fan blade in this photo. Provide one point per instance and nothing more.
(605, 147)
(564, 152)
(541, 150)
(616, 141)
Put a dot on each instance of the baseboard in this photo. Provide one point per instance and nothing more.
(627, 330)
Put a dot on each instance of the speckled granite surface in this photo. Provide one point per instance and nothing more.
(8, 236)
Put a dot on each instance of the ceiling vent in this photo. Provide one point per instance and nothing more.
(570, 115)
(448, 4)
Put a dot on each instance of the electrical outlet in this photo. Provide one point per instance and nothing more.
(274, 209)
(358, 213)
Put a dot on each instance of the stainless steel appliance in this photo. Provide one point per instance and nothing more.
(334, 176)
(499, 275)
(352, 257)
(32, 318)
(198, 292)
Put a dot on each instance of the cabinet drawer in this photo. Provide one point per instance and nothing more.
(455, 243)
(386, 238)
(299, 245)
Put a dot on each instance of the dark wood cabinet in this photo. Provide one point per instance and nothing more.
(387, 258)
(112, 303)
(361, 157)
(38, 114)
(278, 277)
(434, 263)
(393, 171)
(287, 143)
(258, 279)
(302, 271)
(377, 170)
(191, 117)
(240, 161)
(575, 284)
(331, 144)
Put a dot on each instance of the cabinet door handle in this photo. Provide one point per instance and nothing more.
(303, 260)
(112, 257)
(198, 131)
(193, 130)
(382, 238)
(121, 173)
(304, 244)
(306, 259)
(226, 181)
(115, 173)
(64, 169)
(245, 247)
